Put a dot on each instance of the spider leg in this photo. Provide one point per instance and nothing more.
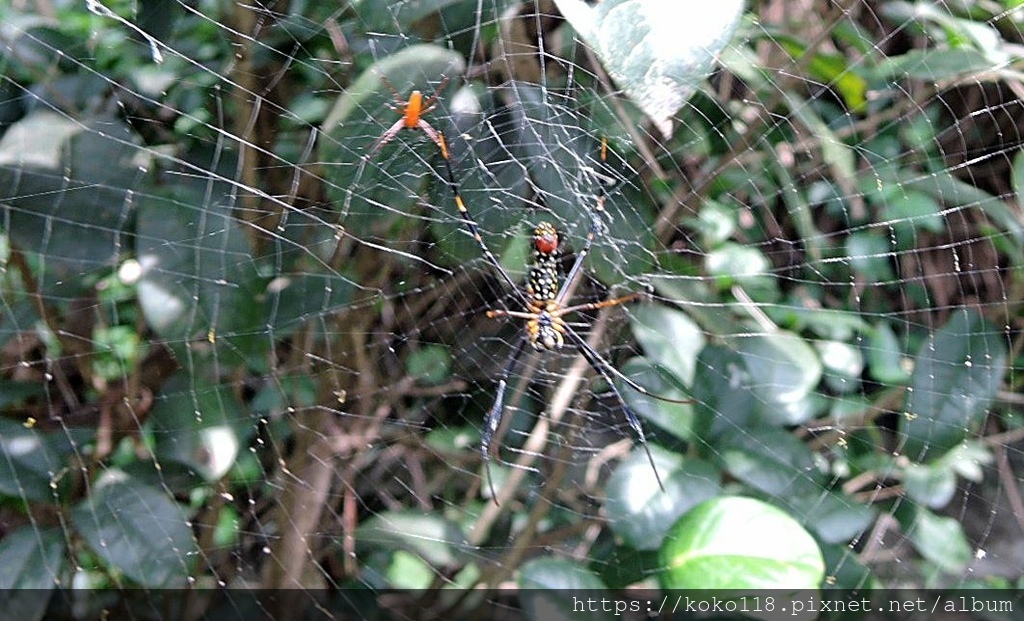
(386, 137)
(494, 415)
(394, 91)
(429, 104)
(468, 220)
(576, 338)
(502, 312)
(574, 271)
(605, 370)
(596, 226)
(597, 305)
(431, 133)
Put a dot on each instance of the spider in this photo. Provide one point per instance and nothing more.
(412, 111)
(545, 304)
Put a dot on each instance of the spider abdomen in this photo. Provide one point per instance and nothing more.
(542, 281)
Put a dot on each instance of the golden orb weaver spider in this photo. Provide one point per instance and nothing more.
(545, 303)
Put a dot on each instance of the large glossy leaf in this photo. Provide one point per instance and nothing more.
(739, 543)
(136, 530)
(675, 418)
(885, 356)
(731, 264)
(932, 485)
(656, 50)
(66, 191)
(843, 364)
(956, 374)
(641, 513)
(199, 281)
(870, 254)
(563, 164)
(844, 569)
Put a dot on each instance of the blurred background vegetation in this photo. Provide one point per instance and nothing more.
(238, 352)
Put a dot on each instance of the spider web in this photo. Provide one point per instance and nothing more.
(241, 350)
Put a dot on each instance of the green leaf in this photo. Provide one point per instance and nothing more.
(842, 363)
(726, 401)
(199, 280)
(31, 565)
(951, 191)
(832, 69)
(656, 50)
(669, 338)
(137, 530)
(783, 369)
(201, 425)
(770, 460)
(941, 540)
(739, 543)
(396, 17)
(28, 462)
(932, 485)
(66, 190)
(32, 558)
(715, 222)
(408, 571)
(487, 163)
(430, 365)
(556, 574)
(933, 65)
(834, 518)
(639, 512)
(836, 153)
(845, 571)
(547, 586)
(885, 356)
(913, 211)
(870, 255)
(956, 375)
(968, 459)
(430, 537)
(733, 263)
(676, 418)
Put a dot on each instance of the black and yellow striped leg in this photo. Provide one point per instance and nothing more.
(605, 370)
(467, 218)
(494, 414)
